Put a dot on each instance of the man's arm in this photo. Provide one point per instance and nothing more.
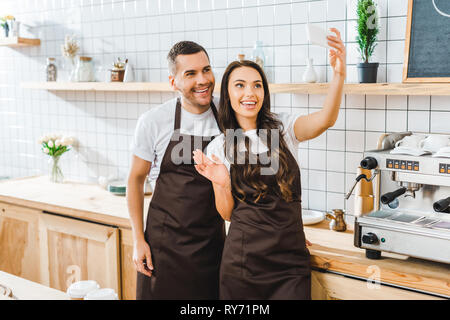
(135, 200)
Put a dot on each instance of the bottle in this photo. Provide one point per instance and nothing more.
(129, 73)
(310, 75)
(51, 69)
(258, 54)
(241, 56)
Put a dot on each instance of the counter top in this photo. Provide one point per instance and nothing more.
(75, 199)
(332, 251)
(23, 289)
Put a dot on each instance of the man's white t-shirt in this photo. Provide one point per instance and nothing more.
(155, 128)
(216, 146)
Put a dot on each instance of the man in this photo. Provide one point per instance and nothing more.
(178, 255)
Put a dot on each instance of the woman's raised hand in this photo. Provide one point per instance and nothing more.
(338, 54)
(215, 171)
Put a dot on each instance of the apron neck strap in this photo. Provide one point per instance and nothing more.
(177, 123)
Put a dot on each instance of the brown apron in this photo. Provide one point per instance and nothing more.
(184, 230)
(265, 254)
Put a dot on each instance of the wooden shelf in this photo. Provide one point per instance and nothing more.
(99, 86)
(19, 42)
(399, 89)
(305, 88)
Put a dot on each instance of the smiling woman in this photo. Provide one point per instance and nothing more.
(265, 255)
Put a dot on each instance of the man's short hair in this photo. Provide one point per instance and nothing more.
(182, 47)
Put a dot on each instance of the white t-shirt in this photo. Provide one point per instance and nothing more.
(155, 128)
(288, 120)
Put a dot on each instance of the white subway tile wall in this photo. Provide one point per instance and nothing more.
(144, 30)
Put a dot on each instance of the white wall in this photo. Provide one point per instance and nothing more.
(144, 30)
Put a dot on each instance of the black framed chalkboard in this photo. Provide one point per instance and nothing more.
(427, 45)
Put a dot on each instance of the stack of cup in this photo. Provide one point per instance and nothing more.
(363, 194)
(78, 290)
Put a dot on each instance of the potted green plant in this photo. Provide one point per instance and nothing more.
(367, 36)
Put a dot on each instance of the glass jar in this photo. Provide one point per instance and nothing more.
(85, 70)
(51, 69)
(258, 54)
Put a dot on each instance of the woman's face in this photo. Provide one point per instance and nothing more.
(246, 91)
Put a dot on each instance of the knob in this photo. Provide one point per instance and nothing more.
(370, 238)
(391, 196)
(442, 205)
(369, 163)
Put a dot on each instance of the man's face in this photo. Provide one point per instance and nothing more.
(194, 78)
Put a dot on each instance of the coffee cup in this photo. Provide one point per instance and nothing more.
(102, 294)
(78, 290)
(412, 141)
(434, 142)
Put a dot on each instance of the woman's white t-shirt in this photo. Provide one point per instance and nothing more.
(216, 146)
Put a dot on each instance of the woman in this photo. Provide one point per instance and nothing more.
(256, 181)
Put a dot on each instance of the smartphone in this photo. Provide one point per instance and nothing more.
(317, 36)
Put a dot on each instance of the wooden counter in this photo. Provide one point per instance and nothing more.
(85, 201)
(23, 289)
(332, 251)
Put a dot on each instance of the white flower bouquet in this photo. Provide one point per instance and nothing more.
(55, 145)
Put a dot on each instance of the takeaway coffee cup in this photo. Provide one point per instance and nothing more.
(102, 294)
(434, 142)
(78, 290)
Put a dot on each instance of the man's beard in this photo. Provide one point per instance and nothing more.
(194, 102)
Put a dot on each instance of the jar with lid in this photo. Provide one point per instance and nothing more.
(258, 54)
(51, 69)
(85, 70)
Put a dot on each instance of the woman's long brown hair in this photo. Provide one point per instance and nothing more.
(248, 173)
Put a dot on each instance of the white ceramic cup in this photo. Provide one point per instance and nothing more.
(412, 141)
(434, 142)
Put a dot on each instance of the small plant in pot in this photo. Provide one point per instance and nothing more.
(367, 36)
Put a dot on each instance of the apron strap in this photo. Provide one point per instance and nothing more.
(177, 123)
(214, 110)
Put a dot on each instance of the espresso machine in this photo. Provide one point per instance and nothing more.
(411, 212)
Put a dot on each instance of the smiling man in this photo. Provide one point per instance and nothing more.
(178, 255)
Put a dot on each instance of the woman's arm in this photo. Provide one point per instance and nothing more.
(314, 124)
(224, 200)
(218, 174)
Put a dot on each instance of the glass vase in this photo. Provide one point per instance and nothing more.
(55, 173)
(69, 69)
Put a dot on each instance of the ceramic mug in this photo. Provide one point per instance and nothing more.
(412, 141)
(434, 142)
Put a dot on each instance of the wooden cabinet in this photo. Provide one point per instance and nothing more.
(19, 241)
(128, 270)
(74, 250)
(329, 286)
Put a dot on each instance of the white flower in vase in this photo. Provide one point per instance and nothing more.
(55, 145)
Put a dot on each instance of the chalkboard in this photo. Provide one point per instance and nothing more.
(427, 45)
